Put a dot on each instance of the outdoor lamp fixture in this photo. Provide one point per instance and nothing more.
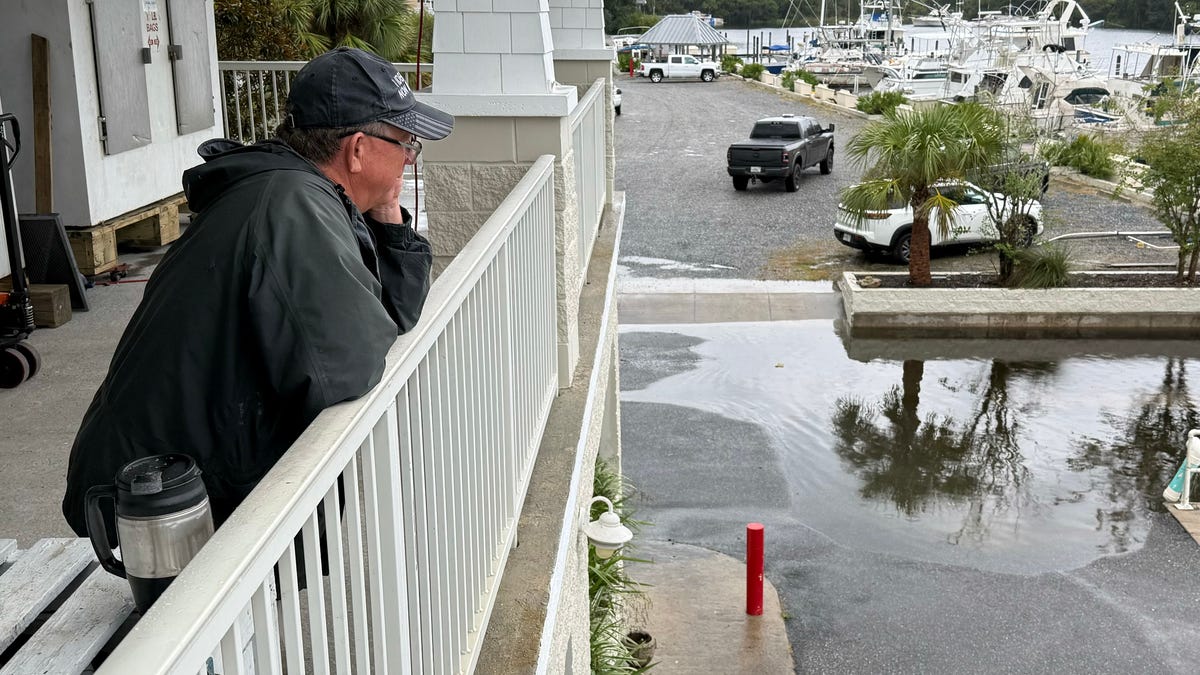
(606, 533)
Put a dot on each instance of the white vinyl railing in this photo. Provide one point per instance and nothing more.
(588, 140)
(253, 94)
(429, 471)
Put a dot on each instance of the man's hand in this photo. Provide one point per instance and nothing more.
(389, 210)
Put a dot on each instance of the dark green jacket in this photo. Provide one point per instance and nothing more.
(266, 311)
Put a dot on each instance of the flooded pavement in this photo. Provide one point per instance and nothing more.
(935, 516)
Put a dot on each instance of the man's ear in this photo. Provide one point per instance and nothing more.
(352, 152)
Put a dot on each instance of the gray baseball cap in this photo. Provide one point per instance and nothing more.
(346, 87)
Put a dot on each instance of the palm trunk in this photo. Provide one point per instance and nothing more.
(918, 254)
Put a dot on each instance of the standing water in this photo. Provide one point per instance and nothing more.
(1045, 462)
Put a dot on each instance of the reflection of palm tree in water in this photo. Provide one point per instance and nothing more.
(914, 463)
(1139, 459)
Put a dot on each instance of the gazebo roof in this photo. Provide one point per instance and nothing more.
(682, 29)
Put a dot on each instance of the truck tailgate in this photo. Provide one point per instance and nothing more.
(751, 156)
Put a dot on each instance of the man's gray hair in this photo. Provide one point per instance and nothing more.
(320, 145)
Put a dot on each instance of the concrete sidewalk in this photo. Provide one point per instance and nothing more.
(697, 613)
(648, 301)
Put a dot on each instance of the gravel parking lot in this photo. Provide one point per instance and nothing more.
(684, 218)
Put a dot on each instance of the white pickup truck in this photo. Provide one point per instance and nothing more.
(677, 66)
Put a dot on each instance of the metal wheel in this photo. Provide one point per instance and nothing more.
(32, 355)
(656, 76)
(707, 76)
(827, 163)
(14, 368)
(903, 248)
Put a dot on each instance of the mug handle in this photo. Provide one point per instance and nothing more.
(97, 532)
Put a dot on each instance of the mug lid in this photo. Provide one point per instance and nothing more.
(156, 474)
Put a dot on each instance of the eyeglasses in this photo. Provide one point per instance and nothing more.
(413, 148)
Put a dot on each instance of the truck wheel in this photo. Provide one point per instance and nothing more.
(827, 164)
(791, 183)
(707, 76)
(656, 76)
(740, 182)
(902, 249)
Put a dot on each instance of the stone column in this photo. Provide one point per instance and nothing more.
(494, 71)
(580, 57)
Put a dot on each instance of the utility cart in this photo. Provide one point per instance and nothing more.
(19, 361)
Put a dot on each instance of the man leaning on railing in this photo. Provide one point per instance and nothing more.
(282, 297)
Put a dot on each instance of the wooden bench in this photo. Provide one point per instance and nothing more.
(58, 608)
(95, 247)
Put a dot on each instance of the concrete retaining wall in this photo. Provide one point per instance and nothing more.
(1019, 313)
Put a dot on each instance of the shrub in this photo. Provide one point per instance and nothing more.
(1085, 154)
(1046, 266)
(880, 102)
(730, 63)
(752, 71)
(807, 77)
(789, 80)
(623, 62)
(612, 594)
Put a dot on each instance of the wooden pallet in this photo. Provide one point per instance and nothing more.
(95, 247)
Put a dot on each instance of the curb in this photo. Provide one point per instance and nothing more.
(1145, 313)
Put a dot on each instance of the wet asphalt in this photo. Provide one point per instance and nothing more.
(854, 603)
(682, 209)
(851, 604)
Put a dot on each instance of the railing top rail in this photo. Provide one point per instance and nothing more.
(297, 65)
(243, 551)
(588, 100)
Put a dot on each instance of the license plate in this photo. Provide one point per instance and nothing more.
(756, 169)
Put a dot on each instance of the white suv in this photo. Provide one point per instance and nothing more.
(891, 230)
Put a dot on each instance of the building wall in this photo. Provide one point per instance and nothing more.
(90, 186)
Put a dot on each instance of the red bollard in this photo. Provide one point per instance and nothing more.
(754, 569)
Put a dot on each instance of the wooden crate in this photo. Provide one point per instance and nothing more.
(51, 303)
(155, 225)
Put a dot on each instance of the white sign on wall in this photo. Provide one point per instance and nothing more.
(152, 25)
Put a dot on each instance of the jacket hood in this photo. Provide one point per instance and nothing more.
(227, 162)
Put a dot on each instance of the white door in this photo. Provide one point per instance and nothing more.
(690, 67)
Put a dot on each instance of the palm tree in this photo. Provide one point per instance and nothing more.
(386, 27)
(908, 152)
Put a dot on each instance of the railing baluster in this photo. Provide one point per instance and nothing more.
(289, 596)
(266, 628)
(432, 637)
(358, 569)
(413, 509)
(379, 631)
(391, 552)
(316, 594)
(231, 650)
(340, 613)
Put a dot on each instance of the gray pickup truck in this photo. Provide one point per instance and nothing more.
(780, 148)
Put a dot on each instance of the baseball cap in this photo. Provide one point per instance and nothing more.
(346, 87)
